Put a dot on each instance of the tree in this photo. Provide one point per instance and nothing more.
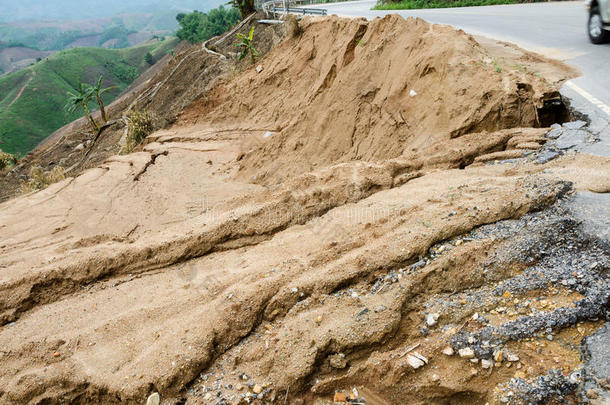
(198, 26)
(97, 91)
(81, 99)
(148, 58)
(246, 43)
(245, 7)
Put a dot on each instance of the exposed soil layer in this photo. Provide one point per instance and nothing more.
(305, 232)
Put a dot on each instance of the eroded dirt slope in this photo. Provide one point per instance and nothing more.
(377, 89)
(368, 251)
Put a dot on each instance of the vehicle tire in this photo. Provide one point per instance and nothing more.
(597, 33)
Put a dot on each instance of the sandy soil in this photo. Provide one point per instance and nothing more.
(284, 240)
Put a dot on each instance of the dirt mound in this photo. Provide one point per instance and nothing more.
(355, 269)
(377, 90)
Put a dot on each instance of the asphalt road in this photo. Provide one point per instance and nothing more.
(556, 29)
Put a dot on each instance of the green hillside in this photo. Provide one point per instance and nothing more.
(32, 100)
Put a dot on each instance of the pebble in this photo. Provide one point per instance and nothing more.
(153, 399)
(448, 351)
(337, 361)
(486, 363)
(380, 308)
(257, 389)
(435, 377)
(512, 357)
(498, 356)
(431, 319)
(592, 394)
(466, 353)
(340, 397)
(415, 361)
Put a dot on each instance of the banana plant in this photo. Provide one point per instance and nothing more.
(97, 91)
(246, 43)
(81, 99)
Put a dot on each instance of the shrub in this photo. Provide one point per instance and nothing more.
(7, 160)
(40, 179)
(139, 126)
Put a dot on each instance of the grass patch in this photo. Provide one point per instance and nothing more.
(32, 99)
(417, 4)
(140, 125)
(40, 179)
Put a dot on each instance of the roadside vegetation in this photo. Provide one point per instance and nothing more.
(198, 26)
(417, 4)
(32, 99)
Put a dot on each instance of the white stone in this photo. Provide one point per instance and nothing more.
(415, 361)
(413, 93)
(431, 319)
(153, 399)
(486, 363)
(512, 358)
(466, 353)
(448, 351)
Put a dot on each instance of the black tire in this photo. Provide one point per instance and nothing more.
(597, 33)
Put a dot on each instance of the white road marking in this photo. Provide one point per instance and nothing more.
(589, 97)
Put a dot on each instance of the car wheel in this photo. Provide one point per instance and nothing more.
(596, 28)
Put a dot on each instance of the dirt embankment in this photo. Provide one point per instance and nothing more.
(343, 214)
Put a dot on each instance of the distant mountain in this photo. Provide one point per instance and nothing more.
(117, 32)
(71, 10)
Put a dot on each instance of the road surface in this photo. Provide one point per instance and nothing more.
(556, 30)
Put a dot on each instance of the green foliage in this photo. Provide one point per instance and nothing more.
(148, 58)
(140, 125)
(79, 99)
(247, 45)
(38, 111)
(198, 26)
(40, 179)
(121, 70)
(245, 7)
(416, 4)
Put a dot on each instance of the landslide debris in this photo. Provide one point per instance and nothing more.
(396, 229)
(378, 89)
